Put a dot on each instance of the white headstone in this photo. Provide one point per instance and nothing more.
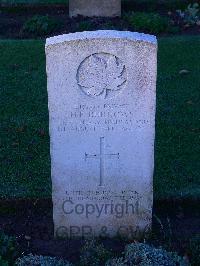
(102, 93)
(95, 8)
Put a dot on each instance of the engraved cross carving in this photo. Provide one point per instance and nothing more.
(102, 156)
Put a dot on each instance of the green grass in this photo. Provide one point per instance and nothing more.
(24, 141)
(177, 132)
(24, 146)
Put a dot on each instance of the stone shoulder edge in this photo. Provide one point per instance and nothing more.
(104, 34)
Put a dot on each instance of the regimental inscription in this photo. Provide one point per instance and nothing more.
(102, 156)
(107, 117)
(101, 75)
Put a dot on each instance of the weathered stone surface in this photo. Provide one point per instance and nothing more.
(102, 92)
(95, 8)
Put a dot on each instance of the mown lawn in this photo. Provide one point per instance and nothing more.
(24, 141)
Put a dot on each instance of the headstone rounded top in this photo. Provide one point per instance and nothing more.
(101, 34)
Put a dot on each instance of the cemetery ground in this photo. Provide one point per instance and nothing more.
(49, 18)
(25, 190)
(24, 116)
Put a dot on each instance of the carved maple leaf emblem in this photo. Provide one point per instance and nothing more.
(101, 74)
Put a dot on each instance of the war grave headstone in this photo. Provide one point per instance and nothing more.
(102, 99)
(95, 8)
